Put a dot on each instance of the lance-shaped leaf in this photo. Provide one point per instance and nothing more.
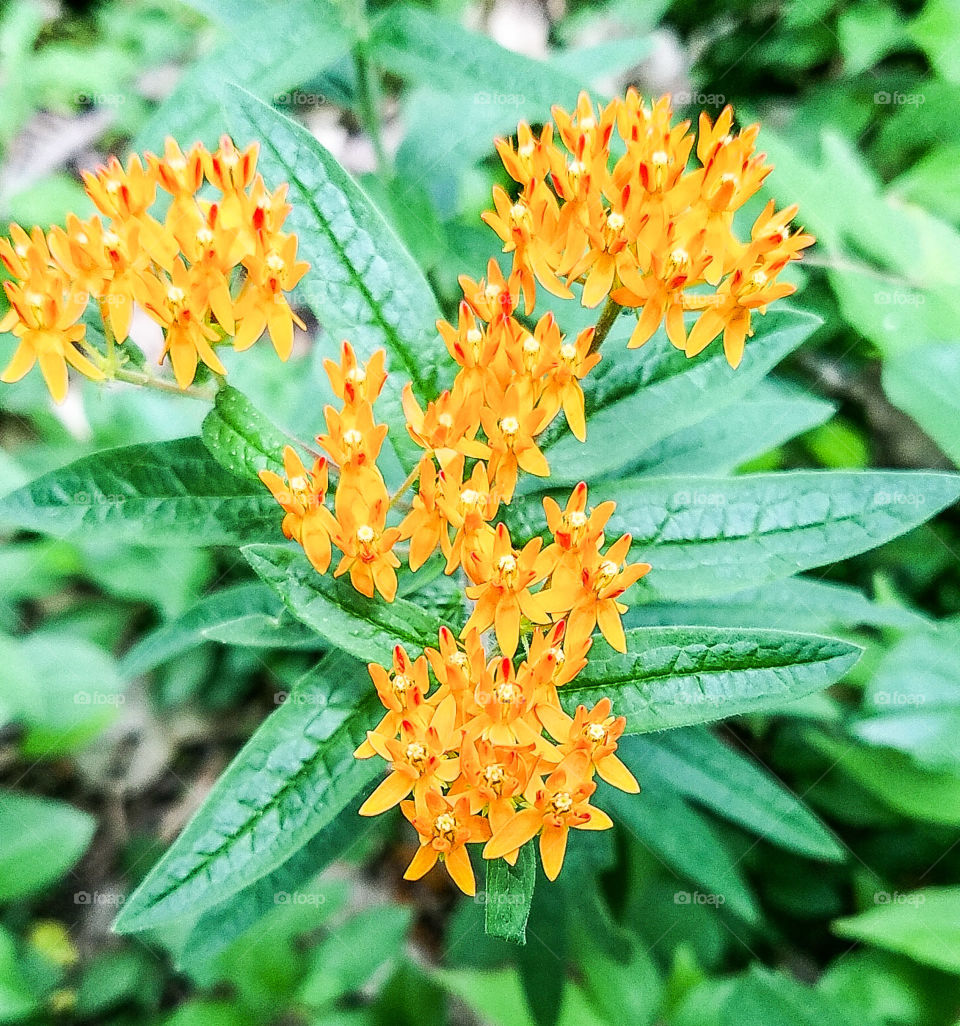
(682, 394)
(366, 628)
(289, 781)
(707, 536)
(508, 894)
(240, 438)
(704, 770)
(363, 285)
(249, 614)
(678, 676)
(164, 493)
(690, 845)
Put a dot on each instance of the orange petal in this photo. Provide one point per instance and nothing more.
(514, 834)
(553, 846)
(391, 791)
(422, 863)
(459, 868)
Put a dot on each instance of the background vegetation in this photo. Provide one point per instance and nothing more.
(125, 689)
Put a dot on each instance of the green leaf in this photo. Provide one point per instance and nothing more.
(247, 614)
(912, 702)
(683, 394)
(270, 54)
(924, 925)
(17, 1000)
(678, 676)
(365, 628)
(924, 382)
(710, 773)
(430, 49)
(795, 603)
(709, 535)
(363, 285)
(291, 884)
(240, 438)
(344, 961)
(691, 847)
(499, 998)
(82, 692)
(41, 841)
(508, 894)
(760, 998)
(920, 794)
(767, 416)
(288, 782)
(165, 493)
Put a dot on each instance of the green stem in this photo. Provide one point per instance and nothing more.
(407, 484)
(133, 377)
(608, 315)
(368, 90)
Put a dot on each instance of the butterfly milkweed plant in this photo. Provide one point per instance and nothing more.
(484, 534)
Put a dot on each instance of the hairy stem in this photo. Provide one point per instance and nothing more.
(607, 316)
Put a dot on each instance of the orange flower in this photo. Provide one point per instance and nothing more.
(43, 315)
(419, 759)
(445, 828)
(468, 506)
(576, 534)
(402, 693)
(301, 497)
(425, 525)
(510, 431)
(505, 595)
(262, 304)
(447, 427)
(595, 732)
(173, 304)
(556, 805)
(360, 533)
(592, 600)
(354, 382)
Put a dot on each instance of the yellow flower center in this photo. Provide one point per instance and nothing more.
(561, 803)
(366, 535)
(568, 353)
(402, 684)
(353, 441)
(607, 572)
(356, 376)
(596, 732)
(678, 263)
(460, 661)
(510, 427)
(445, 825)
(472, 501)
(520, 216)
(416, 754)
(575, 524)
(298, 484)
(275, 263)
(507, 568)
(559, 658)
(507, 693)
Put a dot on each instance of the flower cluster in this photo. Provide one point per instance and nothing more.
(358, 525)
(212, 269)
(647, 231)
(490, 756)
